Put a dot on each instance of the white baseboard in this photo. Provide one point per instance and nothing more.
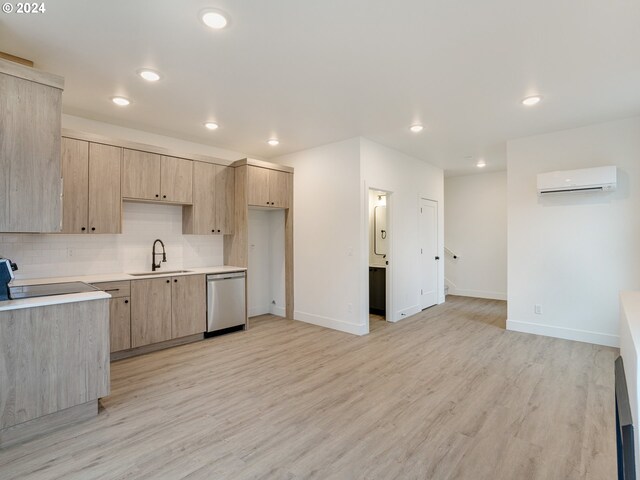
(332, 323)
(478, 294)
(279, 311)
(565, 333)
(261, 310)
(406, 313)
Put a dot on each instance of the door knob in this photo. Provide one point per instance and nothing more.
(437, 258)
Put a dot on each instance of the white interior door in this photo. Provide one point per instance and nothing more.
(429, 252)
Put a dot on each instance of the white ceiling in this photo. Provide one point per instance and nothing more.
(314, 72)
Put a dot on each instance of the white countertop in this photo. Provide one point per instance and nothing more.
(119, 277)
(98, 278)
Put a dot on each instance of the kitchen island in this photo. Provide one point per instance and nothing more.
(54, 362)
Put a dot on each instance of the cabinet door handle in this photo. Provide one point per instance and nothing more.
(157, 195)
(126, 301)
(93, 229)
(164, 196)
(213, 231)
(272, 203)
(175, 280)
(83, 228)
(168, 281)
(218, 230)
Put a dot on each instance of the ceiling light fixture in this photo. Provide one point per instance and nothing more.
(120, 101)
(532, 100)
(416, 128)
(273, 142)
(149, 75)
(214, 19)
(481, 164)
(211, 125)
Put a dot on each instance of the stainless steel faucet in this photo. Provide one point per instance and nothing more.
(155, 266)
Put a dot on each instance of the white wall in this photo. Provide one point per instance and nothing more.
(475, 229)
(266, 262)
(328, 246)
(54, 255)
(408, 179)
(331, 230)
(573, 254)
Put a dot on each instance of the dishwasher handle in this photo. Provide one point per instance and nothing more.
(225, 276)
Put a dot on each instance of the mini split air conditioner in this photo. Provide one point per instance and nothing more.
(598, 179)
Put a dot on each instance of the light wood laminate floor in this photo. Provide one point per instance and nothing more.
(446, 394)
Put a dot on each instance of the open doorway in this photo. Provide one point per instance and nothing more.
(266, 262)
(378, 258)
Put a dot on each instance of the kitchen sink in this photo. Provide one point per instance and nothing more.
(164, 272)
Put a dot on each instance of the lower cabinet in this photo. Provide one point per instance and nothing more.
(154, 310)
(120, 323)
(188, 305)
(119, 314)
(150, 311)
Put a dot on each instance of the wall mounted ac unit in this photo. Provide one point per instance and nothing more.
(598, 179)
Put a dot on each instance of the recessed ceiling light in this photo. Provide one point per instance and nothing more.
(214, 19)
(416, 128)
(211, 125)
(149, 75)
(532, 100)
(481, 164)
(120, 101)
(273, 142)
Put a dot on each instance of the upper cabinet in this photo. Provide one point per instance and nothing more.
(213, 200)
(140, 175)
(92, 201)
(149, 176)
(30, 117)
(268, 188)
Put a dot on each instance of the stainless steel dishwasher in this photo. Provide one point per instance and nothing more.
(226, 304)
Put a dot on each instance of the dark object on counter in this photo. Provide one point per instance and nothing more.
(377, 290)
(7, 267)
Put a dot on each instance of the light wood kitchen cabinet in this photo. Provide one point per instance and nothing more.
(119, 314)
(91, 201)
(176, 180)
(213, 200)
(149, 176)
(120, 323)
(188, 305)
(224, 190)
(150, 311)
(30, 127)
(140, 175)
(279, 188)
(268, 188)
(75, 174)
(258, 186)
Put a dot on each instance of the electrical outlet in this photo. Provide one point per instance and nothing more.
(70, 252)
(537, 309)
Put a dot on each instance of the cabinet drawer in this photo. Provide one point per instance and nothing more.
(115, 289)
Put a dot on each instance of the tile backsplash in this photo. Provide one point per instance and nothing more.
(55, 255)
